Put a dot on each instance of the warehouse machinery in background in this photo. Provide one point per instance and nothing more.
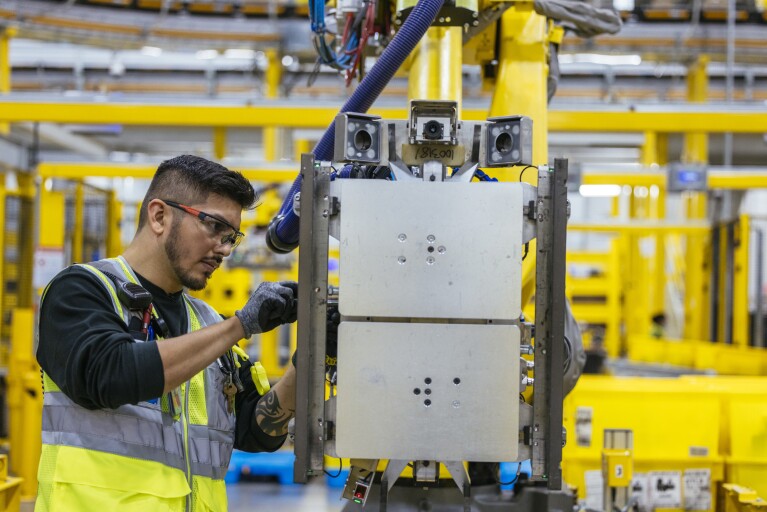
(431, 336)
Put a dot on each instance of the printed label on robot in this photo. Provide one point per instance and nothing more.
(697, 489)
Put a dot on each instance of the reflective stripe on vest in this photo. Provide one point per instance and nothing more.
(143, 431)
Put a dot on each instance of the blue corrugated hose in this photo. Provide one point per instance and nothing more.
(282, 235)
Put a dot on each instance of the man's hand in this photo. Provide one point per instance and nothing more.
(272, 304)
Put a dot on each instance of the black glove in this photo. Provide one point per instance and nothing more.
(271, 305)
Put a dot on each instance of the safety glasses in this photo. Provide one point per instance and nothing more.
(216, 228)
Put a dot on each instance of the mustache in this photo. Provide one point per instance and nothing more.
(216, 259)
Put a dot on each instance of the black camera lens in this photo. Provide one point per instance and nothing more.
(433, 130)
(504, 143)
(362, 140)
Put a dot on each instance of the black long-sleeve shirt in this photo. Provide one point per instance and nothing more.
(87, 350)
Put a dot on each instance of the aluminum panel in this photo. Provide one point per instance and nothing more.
(430, 249)
(385, 370)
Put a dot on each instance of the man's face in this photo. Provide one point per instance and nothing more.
(194, 247)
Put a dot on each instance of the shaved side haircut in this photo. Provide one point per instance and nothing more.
(189, 179)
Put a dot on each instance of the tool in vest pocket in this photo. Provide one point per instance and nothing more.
(258, 374)
(230, 390)
(174, 402)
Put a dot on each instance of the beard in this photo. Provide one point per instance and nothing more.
(173, 251)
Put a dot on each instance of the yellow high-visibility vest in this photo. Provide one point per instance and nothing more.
(138, 457)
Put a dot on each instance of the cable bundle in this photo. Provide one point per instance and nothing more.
(357, 28)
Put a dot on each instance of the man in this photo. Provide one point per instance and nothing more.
(144, 399)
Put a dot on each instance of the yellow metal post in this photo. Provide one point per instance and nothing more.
(524, 43)
(272, 91)
(79, 224)
(696, 143)
(25, 401)
(301, 146)
(5, 69)
(740, 316)
(651, 156)
(436, 71)
(114, 218)
(697, 291)
(27, 216)
(721, 311)
(219, 142)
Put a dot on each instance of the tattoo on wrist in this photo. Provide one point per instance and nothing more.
(271, 416)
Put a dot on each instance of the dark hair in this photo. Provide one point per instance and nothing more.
(190, 179)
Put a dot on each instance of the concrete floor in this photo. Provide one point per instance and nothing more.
(314, 497)
(273, 497)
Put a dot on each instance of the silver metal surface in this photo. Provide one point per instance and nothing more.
(529, 195)
(433, 171)
(425, 470)
(413, 390)
(392, 472)
(551, 215)
(400, 171)
(461, 478)
(431, 250)
(312, 299)
(465, 173)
